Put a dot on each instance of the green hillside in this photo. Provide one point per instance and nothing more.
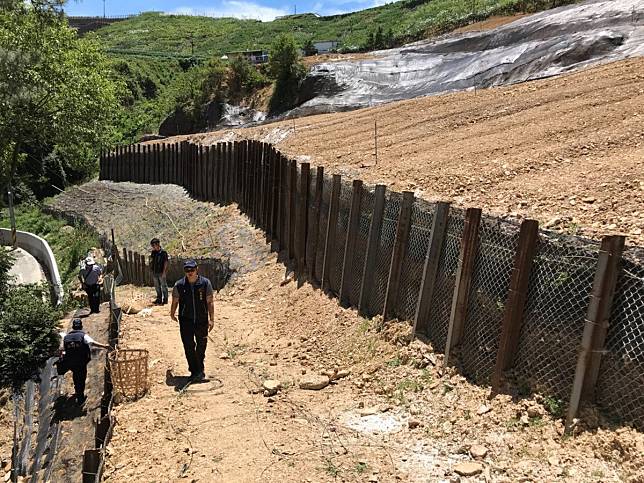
(155, 34)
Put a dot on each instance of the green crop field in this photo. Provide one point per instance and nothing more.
(159, 35)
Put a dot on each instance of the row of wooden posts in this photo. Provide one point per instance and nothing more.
(278, 197)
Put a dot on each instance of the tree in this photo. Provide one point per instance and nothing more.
(379, 38)
(57, 101)
(243, 77)
(287, 70)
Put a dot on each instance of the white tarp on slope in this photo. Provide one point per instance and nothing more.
(545, 44)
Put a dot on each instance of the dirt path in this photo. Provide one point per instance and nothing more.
(566, 150)
(396, 417)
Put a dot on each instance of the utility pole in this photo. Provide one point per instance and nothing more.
(103, 8)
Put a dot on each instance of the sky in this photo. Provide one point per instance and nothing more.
(264, 10)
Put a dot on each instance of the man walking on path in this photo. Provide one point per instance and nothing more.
(159, 267)
(194, 296)
(91, 277)
(76, 355)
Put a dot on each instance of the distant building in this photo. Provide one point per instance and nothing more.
(324, 46)
(253, 56)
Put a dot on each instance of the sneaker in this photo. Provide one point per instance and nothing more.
(81, 399)
(156, 302)
(200, 376)
(164, 302)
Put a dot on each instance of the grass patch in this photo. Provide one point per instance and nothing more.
(361, 467)
(554, 406)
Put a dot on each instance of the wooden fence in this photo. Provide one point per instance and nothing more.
(511, 304)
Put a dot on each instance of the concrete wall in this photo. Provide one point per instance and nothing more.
(40, 249)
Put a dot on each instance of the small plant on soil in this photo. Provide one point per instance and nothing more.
(361, 467)
(331, 468)
(395, 362)
(554, 406)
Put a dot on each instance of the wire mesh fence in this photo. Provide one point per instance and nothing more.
(360, 249)
(422, 214)
(344, 207)
(378, 286)
(620, 387)
(486, 303)
(441, 303)
(553, 322)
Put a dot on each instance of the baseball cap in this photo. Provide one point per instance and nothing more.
(155, 241)
(189, 264)
(77, 324)
(89, 260)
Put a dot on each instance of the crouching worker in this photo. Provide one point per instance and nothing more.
(194, 296)
(76, 354)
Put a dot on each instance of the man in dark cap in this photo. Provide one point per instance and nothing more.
(193, 295)
(76, 355)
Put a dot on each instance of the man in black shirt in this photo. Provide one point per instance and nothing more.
(194, 296)
(159, 267)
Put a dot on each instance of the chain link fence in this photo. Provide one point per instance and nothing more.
(441, 303)
(555, 312)
(378, 286)
(344, 207)
(422, 216)
(360, 251)
(620, 387)
(497, 244)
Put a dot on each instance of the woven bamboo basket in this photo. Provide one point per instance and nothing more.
(129, 372)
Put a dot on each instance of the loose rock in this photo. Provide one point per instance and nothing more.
(478, 452)
(483, 409)
(468, 468)
(314, 382)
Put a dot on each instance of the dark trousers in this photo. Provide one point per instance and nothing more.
(195, 340)
(94, 297)
(79, 374)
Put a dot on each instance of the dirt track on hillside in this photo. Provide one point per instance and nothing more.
(567, 151)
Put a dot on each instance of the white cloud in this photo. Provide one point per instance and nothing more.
(236, 9)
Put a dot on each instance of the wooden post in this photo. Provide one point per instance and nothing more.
(292, 249)
(315, 223)
(430, 270)
(302, 220)
(350, 243)
(266, 189)
(332, 222)
(597, 321)
(145, 273)
(398, 256)
(91, 462)
(515, 302)
(284, 213)
(136, 279)
(269, 195)
(227, 179)
(125, 267)
(375, 230)
(260, 186)
(464, 272)
(138, 164)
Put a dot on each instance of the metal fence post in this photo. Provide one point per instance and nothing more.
(597, 318)
(430, 270)
(515, 303)
(398, 254)
(463, 279)
(302, 219)
(315, 223)
(350, 244)
(373, 242)
(332, 222)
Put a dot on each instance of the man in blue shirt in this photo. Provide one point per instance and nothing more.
(193, 294)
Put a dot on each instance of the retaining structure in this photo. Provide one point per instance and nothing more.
(510, 304)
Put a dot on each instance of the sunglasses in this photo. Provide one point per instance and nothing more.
(189, 270)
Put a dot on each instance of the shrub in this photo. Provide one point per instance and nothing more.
(287, 70)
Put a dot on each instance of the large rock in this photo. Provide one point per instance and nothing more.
(271, 386)
(314, 382)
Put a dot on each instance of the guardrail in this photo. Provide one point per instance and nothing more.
(40, 249)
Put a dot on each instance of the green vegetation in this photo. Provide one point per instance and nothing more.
(57, 100)
(69, 245)
(156, 35)
(27, 333)
(286, 68)
(554, 406)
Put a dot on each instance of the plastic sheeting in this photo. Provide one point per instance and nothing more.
(541, 45)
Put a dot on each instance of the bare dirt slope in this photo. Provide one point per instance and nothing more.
(389, 420)
(400, 415)
(567, 151)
